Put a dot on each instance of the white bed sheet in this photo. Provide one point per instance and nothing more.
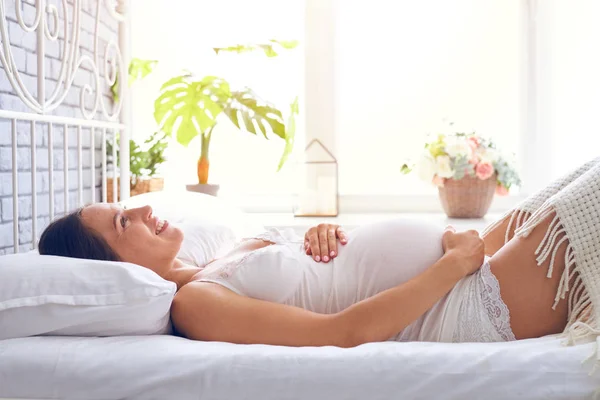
(167, 367)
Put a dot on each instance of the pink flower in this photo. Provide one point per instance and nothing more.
(473, 143)
(475, 160)
(438, 181)
(501, 190)
(484, 170)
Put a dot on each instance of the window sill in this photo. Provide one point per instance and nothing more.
(350, 205)
(352, 220)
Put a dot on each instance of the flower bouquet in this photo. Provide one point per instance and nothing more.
(468, 170)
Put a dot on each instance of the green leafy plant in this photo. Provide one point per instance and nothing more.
(189, 106)
(145, 157)
(138, 69)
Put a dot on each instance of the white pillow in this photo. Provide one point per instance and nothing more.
(211, 226)
(49, 295)
(203, 241)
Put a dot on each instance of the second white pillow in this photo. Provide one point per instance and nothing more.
(203, 241)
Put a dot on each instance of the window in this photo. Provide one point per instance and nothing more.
(181, 35)
(375, 77)
(573, 83)
(403, 67)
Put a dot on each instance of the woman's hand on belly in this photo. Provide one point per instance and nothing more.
(466, 246)
(321, 241)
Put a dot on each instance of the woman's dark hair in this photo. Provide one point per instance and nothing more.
(69, 237)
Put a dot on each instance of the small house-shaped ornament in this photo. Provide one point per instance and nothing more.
(318, 183)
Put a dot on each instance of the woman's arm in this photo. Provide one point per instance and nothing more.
(206, 311)
(384, 315)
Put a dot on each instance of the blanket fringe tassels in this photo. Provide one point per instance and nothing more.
(523, 211)
(516, 218)
(576, 223)
(582, 322)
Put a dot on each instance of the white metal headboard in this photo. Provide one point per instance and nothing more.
(97, 117)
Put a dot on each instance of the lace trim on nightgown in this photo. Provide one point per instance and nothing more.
(493, 303)
(266, 236)
(277, 236)
(227, 270)
(483, 316)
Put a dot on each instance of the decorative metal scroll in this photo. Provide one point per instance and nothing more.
(46, 25)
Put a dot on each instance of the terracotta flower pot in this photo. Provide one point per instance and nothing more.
(468, 197)
(205, 188)
(142, 186)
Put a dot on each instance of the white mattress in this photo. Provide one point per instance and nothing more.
(166, 367)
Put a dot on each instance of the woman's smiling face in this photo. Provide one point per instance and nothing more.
(136, 235)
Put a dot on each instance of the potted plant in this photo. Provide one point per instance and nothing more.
(468, 170)
(145, 160)
(190, 106)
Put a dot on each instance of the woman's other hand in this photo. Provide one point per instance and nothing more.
(467, 246)
(321, 241)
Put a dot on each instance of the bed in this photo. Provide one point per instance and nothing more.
(166, 366)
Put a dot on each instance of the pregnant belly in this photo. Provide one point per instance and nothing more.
(382, 255)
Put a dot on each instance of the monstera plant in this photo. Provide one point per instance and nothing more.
(189, 106)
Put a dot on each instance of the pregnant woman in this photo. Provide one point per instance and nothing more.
(396, 280)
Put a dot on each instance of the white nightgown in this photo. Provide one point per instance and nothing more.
(377, 257)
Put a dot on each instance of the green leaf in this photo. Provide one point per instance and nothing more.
(294, 108)
(234, 49)
(139, 69)
(252, 108)
(286, 44)
(289, 134)
(270, 48)
(188, 107)
(405, 169)
(114, 89)
(261, 126)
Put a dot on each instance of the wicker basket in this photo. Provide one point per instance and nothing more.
(142, 186)
(467, 197)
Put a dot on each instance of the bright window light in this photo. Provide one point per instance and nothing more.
(181, 34)
(405, 66)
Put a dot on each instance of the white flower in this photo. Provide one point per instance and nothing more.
(426, 167)
(458, 147)
(443, 167)
(488, 155)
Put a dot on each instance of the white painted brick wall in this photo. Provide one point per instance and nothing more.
(6, 234)
(23, 46)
